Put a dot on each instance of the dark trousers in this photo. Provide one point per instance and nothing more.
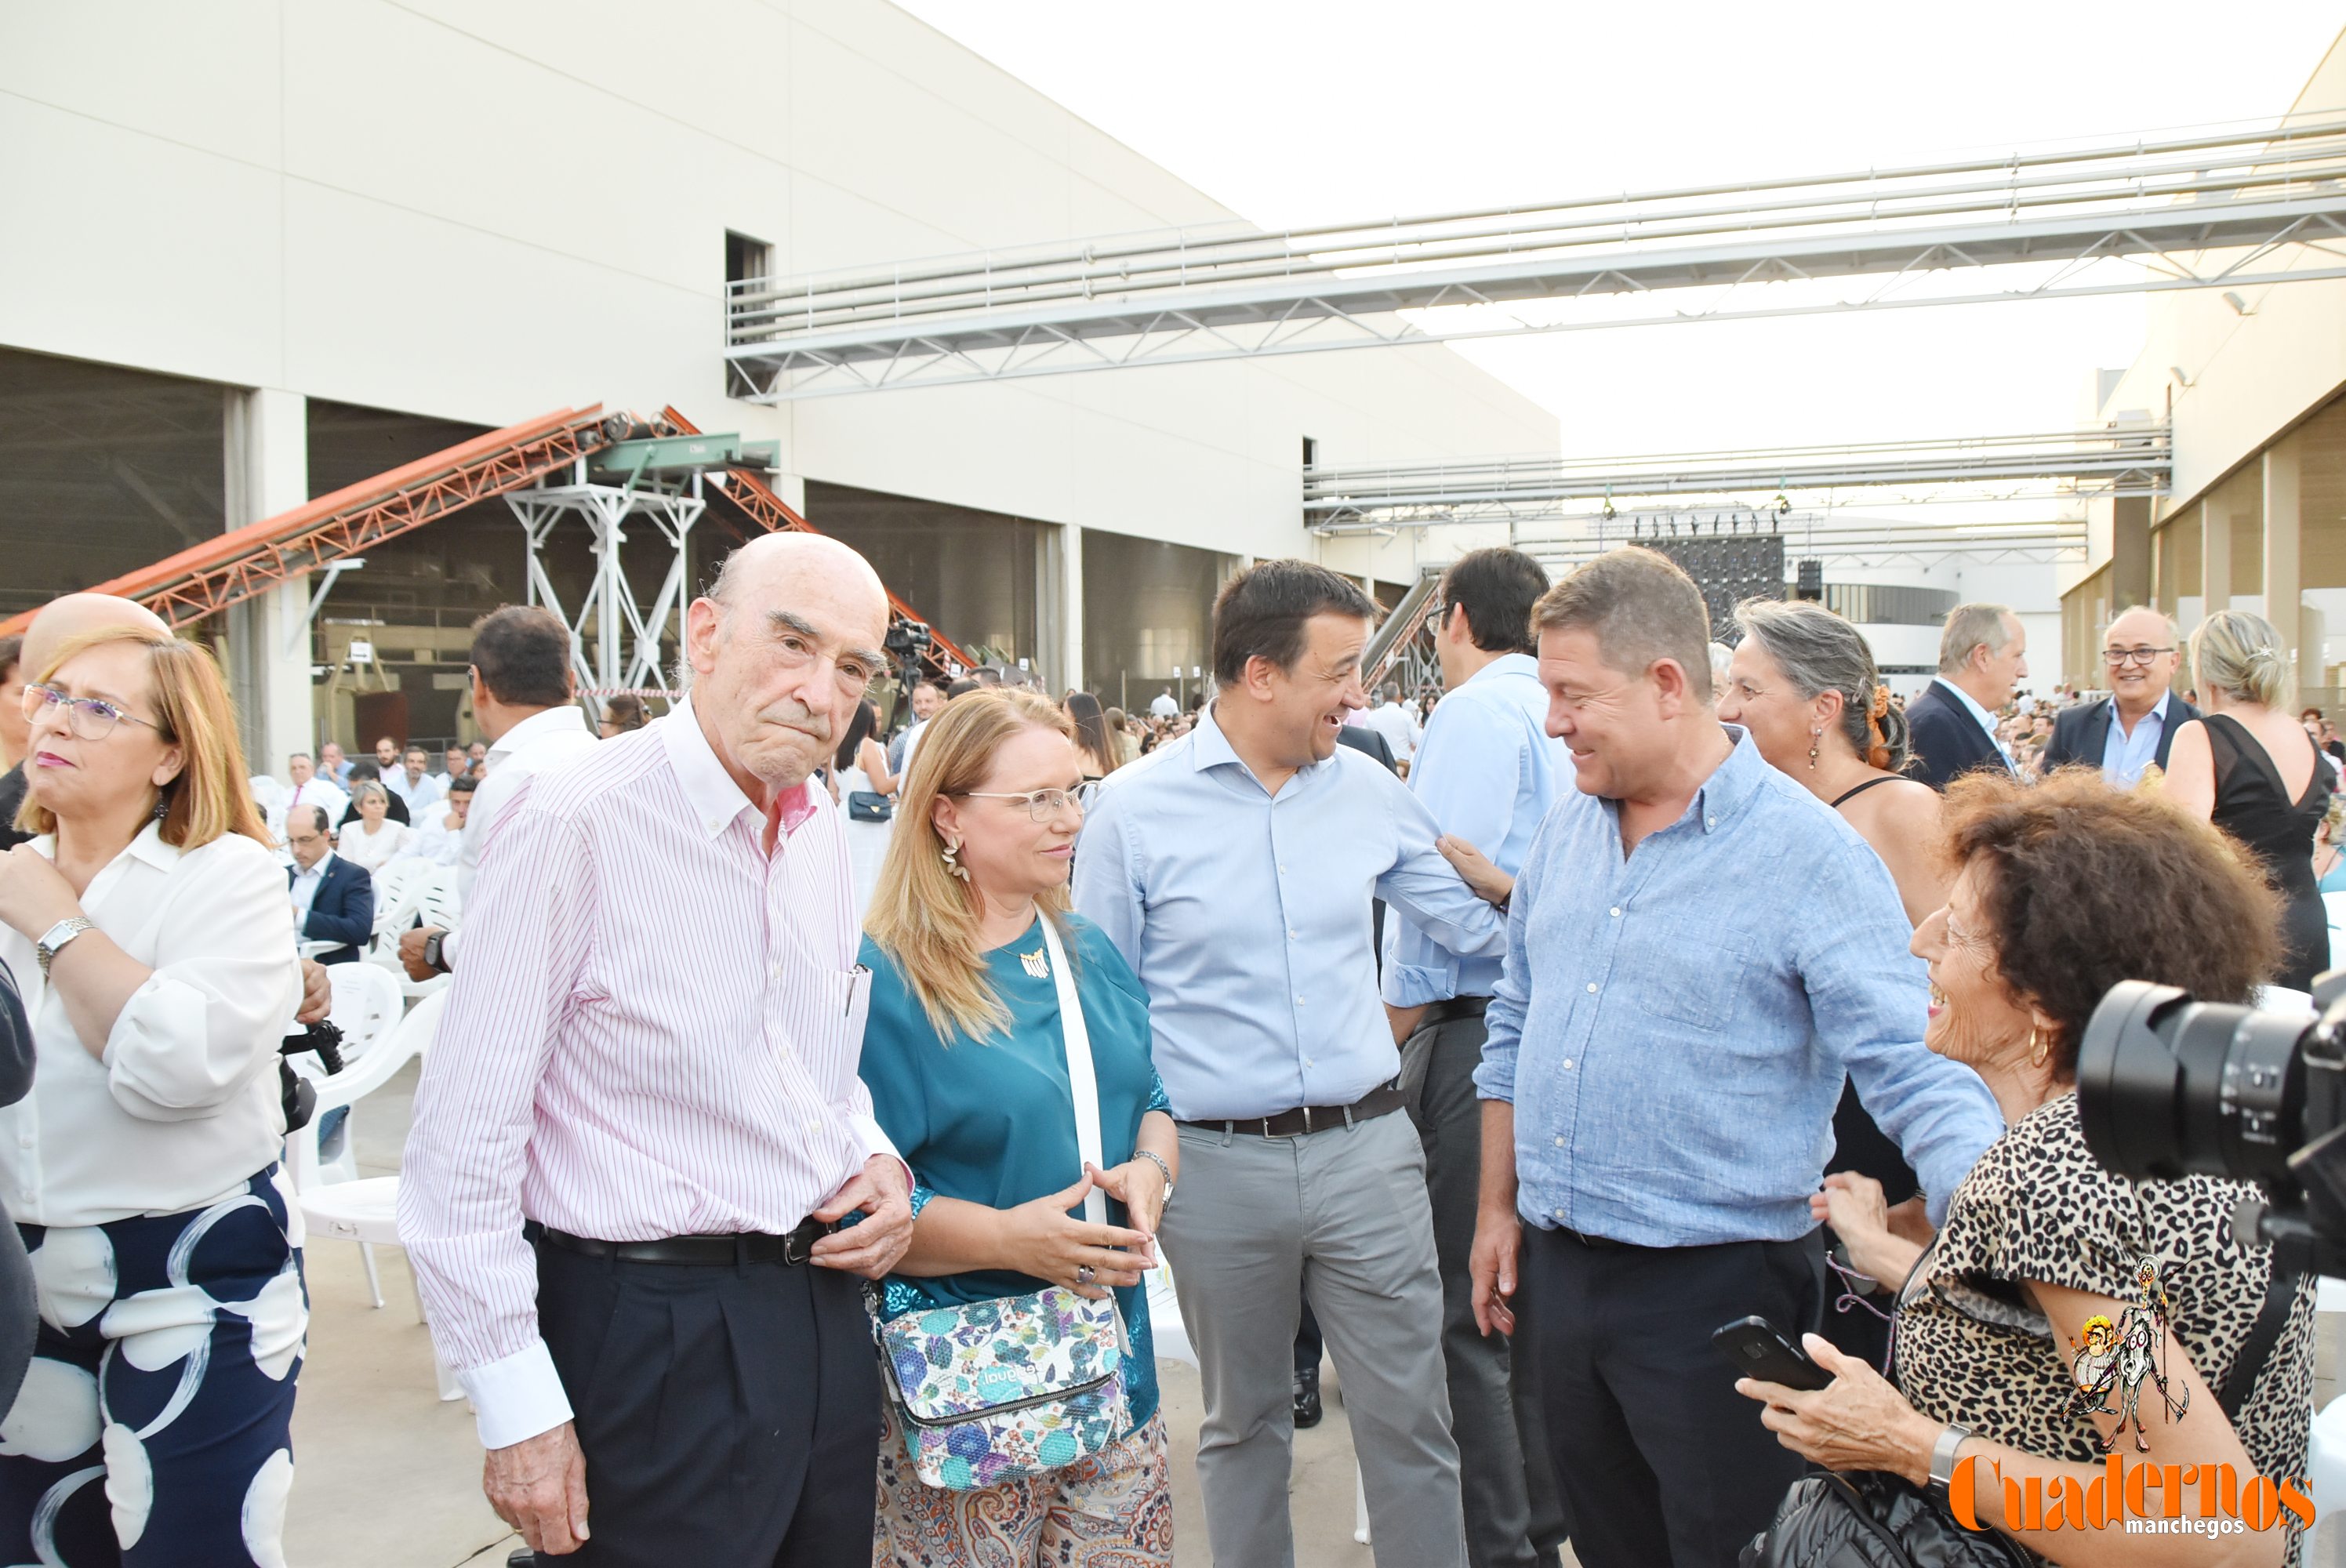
(1660, 1461)
(1513, 1518)
(729, 1416)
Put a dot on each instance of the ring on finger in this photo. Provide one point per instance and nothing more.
(1084, 1275)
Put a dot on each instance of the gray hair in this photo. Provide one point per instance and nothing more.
(721, 594)
(1971, 627)
(1389, 692)
(1818, 651)
(366, 786)
(2239, 654)
(1641, 608)
(1722, 658)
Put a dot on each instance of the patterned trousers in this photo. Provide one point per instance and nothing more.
(169, 1346)
(1114, 1510)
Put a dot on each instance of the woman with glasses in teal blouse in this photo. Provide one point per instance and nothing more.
(966, 1061)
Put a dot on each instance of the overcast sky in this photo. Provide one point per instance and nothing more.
(1292, 113)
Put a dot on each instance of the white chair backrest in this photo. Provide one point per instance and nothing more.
(436, 902)
(410, 1038)
(397, 887)
(366, 1006)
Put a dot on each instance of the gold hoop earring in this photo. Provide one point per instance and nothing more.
(952, 865)
(1816, 738)
(2039, 1047)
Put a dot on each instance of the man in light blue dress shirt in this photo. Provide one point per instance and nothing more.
(1698, 950)
(1487, 771)
(1234, 869)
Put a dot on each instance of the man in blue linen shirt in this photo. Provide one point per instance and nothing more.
(1234, 869)
(1487, 771)
(1698, 950)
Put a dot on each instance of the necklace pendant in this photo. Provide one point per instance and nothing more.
(1035, 963)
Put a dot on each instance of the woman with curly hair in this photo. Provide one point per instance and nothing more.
(2060, 890)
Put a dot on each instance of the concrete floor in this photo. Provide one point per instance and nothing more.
(388, 1477)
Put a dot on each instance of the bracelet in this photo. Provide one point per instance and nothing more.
(1942, 1459)
(1158, 1161)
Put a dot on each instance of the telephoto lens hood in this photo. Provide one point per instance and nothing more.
(2169, 1086)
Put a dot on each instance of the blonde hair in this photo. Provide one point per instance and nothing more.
(212, 797)
(923, 917)
(2239, 654)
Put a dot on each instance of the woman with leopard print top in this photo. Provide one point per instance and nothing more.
(2062, 891)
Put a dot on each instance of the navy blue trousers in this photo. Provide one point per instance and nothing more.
(153, 1426)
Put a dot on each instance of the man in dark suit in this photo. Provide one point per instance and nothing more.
(2139, 652)
(333, 901)
(1951, 726)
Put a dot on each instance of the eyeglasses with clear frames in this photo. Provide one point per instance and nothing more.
(1042, 805)
(87, 718)
(2118, 659)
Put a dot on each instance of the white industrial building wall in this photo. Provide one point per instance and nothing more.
(484, 209)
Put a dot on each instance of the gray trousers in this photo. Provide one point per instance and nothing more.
(1341, 1218)
(1514, 1517)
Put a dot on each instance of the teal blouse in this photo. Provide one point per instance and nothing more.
(993, 1121)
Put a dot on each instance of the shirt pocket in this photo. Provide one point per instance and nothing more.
(1693, 976)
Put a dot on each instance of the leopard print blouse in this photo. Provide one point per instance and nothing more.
(2038, 1206)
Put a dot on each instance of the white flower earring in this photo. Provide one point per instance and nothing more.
(952, 865)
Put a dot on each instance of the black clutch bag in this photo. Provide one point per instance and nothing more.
(863, 805)
(1873, 1519)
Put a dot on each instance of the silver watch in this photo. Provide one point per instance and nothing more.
(53, 940)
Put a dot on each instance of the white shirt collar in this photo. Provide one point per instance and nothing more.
(317, 870)
(1986, 720)
(537, 726)
(716, 800)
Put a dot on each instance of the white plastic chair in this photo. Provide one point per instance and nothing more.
(365, 1210)
(366, 1008)
(435, 903)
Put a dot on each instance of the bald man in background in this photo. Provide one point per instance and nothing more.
(58, 623)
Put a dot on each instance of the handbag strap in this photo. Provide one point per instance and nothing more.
(1083, 1085)
(2280, 1297)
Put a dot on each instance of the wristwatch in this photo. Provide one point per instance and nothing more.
(53, 940)
(1943, 1460)
(432, 958)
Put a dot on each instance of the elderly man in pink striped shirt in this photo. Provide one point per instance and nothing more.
(642, 1117)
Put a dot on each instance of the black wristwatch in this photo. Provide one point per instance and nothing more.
(433, 957)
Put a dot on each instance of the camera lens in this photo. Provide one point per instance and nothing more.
(2167, 1086)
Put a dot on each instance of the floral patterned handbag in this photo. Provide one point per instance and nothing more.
(992, 1390)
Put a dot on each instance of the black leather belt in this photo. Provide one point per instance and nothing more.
(707, 1251)
(1601, 1243)
(1380, 1101)
(1452, 1010)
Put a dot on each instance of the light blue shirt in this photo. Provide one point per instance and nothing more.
(1247, 917)
(2124, 756)
(1986, 720)
(1488, 772)
(1675, 1025)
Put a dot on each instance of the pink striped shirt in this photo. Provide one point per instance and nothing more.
(654, 1033)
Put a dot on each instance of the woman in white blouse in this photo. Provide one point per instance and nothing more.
(148, 927)
(374, 841)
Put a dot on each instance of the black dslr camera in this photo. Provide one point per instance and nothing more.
(2168, 1087)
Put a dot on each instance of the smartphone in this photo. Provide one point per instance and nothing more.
(1760, 1350)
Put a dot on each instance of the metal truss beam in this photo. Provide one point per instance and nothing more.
(1839, 540)
(757, 503)
(2134, 461)
(626, 651)
(247, 562)
(2113, 219)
